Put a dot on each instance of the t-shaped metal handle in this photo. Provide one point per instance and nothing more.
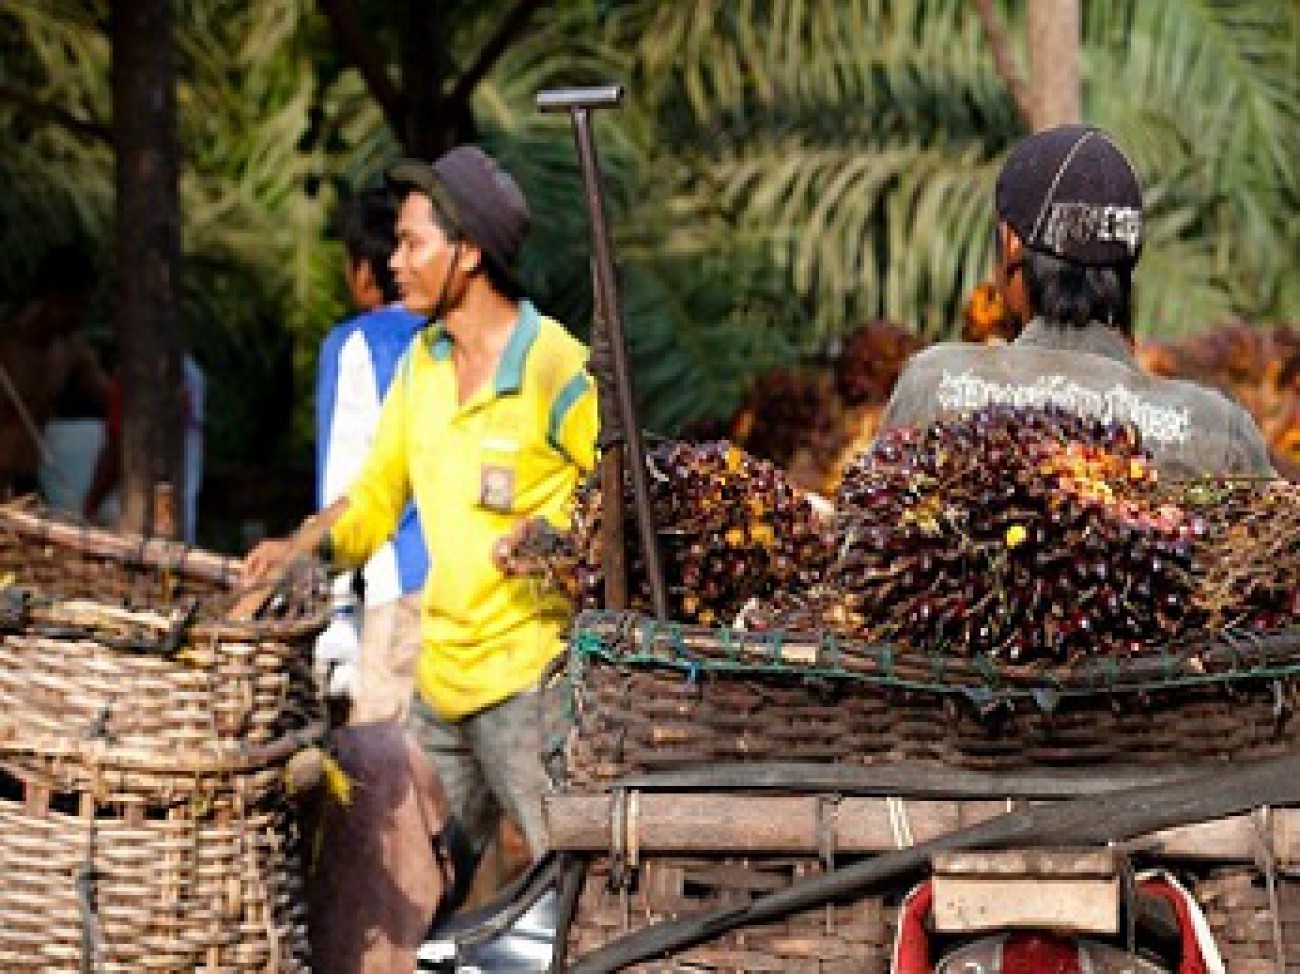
(567, 99)
(579, 102)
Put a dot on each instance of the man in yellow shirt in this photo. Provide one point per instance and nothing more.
(490, 422)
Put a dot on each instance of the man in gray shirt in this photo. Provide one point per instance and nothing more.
(1069, 234)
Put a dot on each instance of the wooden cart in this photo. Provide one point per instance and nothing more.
(701, 771)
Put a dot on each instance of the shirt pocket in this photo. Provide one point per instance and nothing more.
(499, 474)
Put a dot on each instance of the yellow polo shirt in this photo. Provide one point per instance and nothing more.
(516, 450)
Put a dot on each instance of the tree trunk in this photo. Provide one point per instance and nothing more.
(432, 125)
(148, 254)
(1054, 62)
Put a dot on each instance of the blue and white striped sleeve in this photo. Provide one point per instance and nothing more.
(349, 429)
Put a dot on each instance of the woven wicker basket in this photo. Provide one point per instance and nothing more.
(143, 825)
(857, 936)
(644, 696)
(191, 887)
(1239, 909)
(120, 676)
(844, 938)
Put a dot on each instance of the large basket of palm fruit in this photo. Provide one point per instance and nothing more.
(1009, 590)
(143, 737)
(1007, 606)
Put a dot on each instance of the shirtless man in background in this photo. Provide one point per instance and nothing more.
(42, 358)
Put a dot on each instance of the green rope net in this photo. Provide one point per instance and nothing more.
(623, 639)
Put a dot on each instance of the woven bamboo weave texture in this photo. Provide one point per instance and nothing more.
(634, 707)
(1238, 908)
(143, 825)
(636, 720)
(120, 676)
(170, 894)
(846, 938)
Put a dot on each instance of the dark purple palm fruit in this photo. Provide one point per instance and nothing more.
(731, 529)
(1022, 533)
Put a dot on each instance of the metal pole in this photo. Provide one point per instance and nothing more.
(613, 457)
(579, 102)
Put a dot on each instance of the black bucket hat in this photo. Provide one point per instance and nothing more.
(486, 204)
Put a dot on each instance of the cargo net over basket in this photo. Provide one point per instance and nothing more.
(1012, 589)
(143, 735)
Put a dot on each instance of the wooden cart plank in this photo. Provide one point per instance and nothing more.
(666, 822)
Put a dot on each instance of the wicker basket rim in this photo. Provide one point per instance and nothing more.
(214, 758)
(37, 524)
(78, 618)
(174, 557)
(630, 639)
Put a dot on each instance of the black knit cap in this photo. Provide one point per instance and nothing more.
(1070, 191)
(487, 205)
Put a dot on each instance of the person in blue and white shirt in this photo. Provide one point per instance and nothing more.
(368, 654)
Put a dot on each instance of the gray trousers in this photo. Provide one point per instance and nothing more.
(489, 762)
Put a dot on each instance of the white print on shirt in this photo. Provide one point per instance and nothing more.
(966, 392)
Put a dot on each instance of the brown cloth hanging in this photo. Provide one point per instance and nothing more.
(376, 880)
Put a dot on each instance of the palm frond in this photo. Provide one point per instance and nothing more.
(1206, 97)
(781, 169)
(698, 340)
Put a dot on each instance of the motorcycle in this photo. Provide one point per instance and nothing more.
(513, 933)
(1050, 912)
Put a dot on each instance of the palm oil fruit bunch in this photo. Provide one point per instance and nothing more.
(785, 411)
(731, 528)
(1022, 533)
(871, 360)
(985, 316)
(819, 608)
(539, 550)
(1248, 564)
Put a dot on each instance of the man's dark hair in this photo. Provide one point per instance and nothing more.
(503, 280)
(367, 225)
(1066, 293)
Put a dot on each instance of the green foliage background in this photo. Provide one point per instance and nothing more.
(782, 171)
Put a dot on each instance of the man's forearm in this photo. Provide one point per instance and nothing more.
(314, 533)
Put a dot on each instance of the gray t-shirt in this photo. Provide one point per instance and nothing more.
(1189, 429)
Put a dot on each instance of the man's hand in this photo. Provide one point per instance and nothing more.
(267, 560)
(509, 553)
(271, 557)
(503, 550)
(267, 563)
(533, 547)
